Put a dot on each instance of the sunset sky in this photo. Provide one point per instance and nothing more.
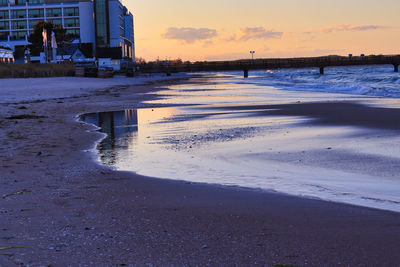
(229, 29)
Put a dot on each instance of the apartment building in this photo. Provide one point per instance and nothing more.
(106, 24)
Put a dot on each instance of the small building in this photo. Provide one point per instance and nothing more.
(115, 64)
(75, 53)
(79, 56)
(6, 55)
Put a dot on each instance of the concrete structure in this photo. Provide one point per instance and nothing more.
(106, 24)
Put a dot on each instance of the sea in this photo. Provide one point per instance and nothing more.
(224, 131)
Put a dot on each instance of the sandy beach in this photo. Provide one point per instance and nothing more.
(60, 208)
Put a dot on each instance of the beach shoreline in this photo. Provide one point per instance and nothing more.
(59, 207)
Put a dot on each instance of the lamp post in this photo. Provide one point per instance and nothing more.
(252, 55)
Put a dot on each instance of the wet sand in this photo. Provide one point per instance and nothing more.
(344, 113)
(59, 208)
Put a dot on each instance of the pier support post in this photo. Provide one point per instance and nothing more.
(321, 70)
(396, 67)
(246, 73)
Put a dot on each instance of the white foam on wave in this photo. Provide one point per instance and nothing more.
(359, 80)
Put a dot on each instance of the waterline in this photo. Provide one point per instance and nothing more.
(336, 147)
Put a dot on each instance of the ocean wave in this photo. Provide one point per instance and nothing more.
(379, 80)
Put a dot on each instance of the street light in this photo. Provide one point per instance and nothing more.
(252, 54)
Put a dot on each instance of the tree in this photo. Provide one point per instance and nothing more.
(140, 61)
(63, 38)
(36, 38)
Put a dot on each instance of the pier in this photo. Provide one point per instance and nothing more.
(273, 63)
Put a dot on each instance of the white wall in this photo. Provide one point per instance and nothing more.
(86, 17)
(115, 12)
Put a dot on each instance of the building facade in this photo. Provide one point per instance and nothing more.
(98, 22)
(113, 28)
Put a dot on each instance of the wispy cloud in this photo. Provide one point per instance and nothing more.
(228, 56)
(253, 33)
(189, 35)
(324, 52)
(302, 52)
(208, 43)
(347, 27)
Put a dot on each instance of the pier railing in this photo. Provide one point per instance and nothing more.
(273, 63)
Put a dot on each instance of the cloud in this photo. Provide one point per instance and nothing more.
(249, 33)
(231, 38)
(208, 43)
(228, 56)
(347, 27)
(301, 52)
(324, 52)
(189, 35)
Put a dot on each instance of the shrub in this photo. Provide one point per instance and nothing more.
(36, 70)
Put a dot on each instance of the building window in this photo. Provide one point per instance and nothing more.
(76, 33)
(3, 36)
(71, 12)
(53, 12)
(71, 22)
(4, 14)
(101, 20)
(33, 22)
(3, 2)
(4, 25)
(20, 2)
(18, 14)
(56, 22)
(36, 1)
(36, 13)
(18, 25)
(18, 35)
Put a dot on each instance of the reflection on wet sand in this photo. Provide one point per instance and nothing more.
(115, 125)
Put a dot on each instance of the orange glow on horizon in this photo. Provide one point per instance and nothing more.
(225, 30)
